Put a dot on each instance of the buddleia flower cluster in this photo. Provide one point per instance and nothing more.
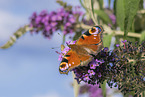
(62, 19)
(123, 67)
(98, 70)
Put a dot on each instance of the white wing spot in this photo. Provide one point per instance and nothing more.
(69, 64)
(72, 62)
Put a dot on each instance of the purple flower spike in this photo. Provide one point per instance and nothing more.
(54, 19)
(91, 72)
(117, 45)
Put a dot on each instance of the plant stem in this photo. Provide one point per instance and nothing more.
(109, 31)
(75, 86)
(103, 86)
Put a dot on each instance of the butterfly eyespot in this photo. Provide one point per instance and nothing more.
(63, 67)
(94, 30)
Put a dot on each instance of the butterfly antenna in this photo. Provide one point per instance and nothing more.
(55, 47)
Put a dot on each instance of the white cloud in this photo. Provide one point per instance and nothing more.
(52, 94)
(9, 23)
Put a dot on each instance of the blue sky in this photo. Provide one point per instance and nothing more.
(30, 67)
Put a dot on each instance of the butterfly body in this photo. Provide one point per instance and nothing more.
(81, 52)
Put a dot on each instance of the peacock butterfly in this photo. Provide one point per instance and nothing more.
(80, 53)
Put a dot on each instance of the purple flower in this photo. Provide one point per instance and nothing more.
(47, 28)
(68, 24)
(95, 91)
(38, 19)
(34, 15)
(93, 65)
(101, 61)
(117, 45)
(65, 50)
(105, 49)
(70, 42)
(113, 18)
(59, 18)
(72, 20)
(92, 90)
(99, 75)
(86, 77)
(53, 24)
(60, 57)
(54, 18)
(97, 64)
(91, 72)
(124, 41)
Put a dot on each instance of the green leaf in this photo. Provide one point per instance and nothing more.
(141, 4)
(142, 38)
(21, 31)
(114, 6)
(82, 4)
(130, 7)
(92, 5)
(107, 40)
(109, 2)
(103, 16)
(120, 14)
(100, 4)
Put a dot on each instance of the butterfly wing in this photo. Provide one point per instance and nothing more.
(91, 39)
(72, 60)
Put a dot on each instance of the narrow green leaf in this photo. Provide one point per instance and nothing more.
(114, 6)
(130, 7)
(82, 4)
(103, 16)
(92, 5)
(142, 38)
(141, 4)
(21, 31)
(107, 40)
(109, 2)
(100, 4)
(120, 14)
